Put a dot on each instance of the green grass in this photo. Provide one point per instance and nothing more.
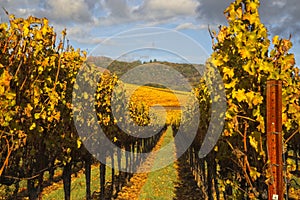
(160, 183)
(78, 185)
(8, 190)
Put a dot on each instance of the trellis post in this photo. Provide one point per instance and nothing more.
(274, 139)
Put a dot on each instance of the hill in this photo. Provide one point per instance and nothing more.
(188, 71)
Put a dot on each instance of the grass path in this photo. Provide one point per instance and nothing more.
(56, 191)
(132, 189)
(161, 183)
(174, 181)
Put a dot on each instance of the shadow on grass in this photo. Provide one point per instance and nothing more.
(111, 191)
(186, 186)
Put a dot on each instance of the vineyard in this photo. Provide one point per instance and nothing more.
(65, 122)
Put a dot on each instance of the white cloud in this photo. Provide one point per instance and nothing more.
(158, 9)
(189, 25)
(64, 11)
(18, 8)
(104, 12)
(57, 11)
(117, 8)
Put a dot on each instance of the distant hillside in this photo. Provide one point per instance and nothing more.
(100, 61)
(120, 68)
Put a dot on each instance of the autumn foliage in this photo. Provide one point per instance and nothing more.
(246, 59)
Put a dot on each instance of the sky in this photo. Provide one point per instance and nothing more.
(148, 29)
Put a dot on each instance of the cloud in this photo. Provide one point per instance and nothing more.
(19, 8)
(117, 8)
(157, 9)
(58, 11)
(82, 17)
(152, 12)
(64, 11)
(211, 11)
(280, 16)
(189, 25)
(114, 12)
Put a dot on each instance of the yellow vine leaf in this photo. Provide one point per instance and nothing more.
(33, 125)
(253, 143)
(239, 95)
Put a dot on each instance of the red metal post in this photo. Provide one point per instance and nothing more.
(274, 138)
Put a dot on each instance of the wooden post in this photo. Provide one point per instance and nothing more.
(274, 138)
